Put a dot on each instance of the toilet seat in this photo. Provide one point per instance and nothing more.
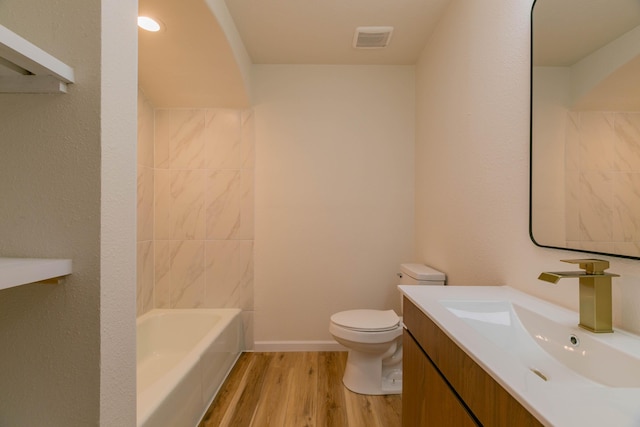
(367, 320)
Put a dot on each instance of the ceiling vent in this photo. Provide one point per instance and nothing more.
(372, 37)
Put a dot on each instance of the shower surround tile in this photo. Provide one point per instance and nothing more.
(144, 273)
(145, 204)
(627, 149)
(179, 274)
(162, 135)
(596, 206)
(202, 210)
(223, 135)
(572, 142)
(626, 219)
(229, 272)
(572, 177)
(186, 143)
(596, 141)
(602, 182)
(247, 197)
(162, 274)
(179, 204)
(145, 131)
(163, 228)
(187, 274)
(247, 325)
(223, 204)
(187, 198)
(247, 140)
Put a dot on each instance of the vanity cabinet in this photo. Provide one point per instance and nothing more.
(443, 386)
(427, 400)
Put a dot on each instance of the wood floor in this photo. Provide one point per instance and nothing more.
(296, 389)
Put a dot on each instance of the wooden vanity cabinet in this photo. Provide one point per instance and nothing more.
(427, 400)
(443, 386)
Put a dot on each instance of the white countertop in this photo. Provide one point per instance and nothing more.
(555, 402)
(20, 271)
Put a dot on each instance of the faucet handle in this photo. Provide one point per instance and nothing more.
(592, 266)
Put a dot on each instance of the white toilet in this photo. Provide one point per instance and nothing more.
(374, 339)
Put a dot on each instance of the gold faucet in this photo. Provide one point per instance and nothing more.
(595, 292)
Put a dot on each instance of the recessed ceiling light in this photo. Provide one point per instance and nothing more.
(148, 24)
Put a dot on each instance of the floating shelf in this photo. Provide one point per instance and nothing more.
(20, 271)
(25, 68)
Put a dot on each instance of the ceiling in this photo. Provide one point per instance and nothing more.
(568, 31)
(565, 31)
(321, 31)
(618, 91)
(190, 63)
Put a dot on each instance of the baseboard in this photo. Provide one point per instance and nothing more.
(273, 346)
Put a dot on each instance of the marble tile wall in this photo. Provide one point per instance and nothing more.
(145, 247)
(602, 173)
(195, 209)
(203, 204)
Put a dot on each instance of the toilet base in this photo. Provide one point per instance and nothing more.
(369, 374)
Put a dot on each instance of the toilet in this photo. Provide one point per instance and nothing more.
(374, 339)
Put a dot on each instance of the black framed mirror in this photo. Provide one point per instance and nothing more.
(585, 126)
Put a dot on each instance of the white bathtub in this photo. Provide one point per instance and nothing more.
(183, 357)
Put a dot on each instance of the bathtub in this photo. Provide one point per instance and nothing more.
(183, 356)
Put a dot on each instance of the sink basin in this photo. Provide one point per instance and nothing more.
(563, 374)
(526, 334)
(581, 352)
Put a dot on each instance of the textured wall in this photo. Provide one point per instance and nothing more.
(118, 212)
(50, 187)
(64, 346)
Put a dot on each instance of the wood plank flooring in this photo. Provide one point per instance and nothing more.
(296, 389)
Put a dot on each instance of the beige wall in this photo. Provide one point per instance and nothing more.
(67, 175)
(472, 155)
(549, 131)
(334, 193)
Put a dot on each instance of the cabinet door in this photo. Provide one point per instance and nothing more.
(427, 399)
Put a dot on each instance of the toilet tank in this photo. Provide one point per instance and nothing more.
(420, 274)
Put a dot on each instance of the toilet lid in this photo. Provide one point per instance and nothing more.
(367, 320)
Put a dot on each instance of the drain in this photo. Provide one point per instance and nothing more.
(574, 340)
(538, 373)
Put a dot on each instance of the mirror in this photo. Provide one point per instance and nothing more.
(585, 126)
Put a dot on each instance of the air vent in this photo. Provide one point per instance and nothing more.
(372, 37)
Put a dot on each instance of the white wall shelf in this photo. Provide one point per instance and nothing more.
(20, 271)
(25, 68)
